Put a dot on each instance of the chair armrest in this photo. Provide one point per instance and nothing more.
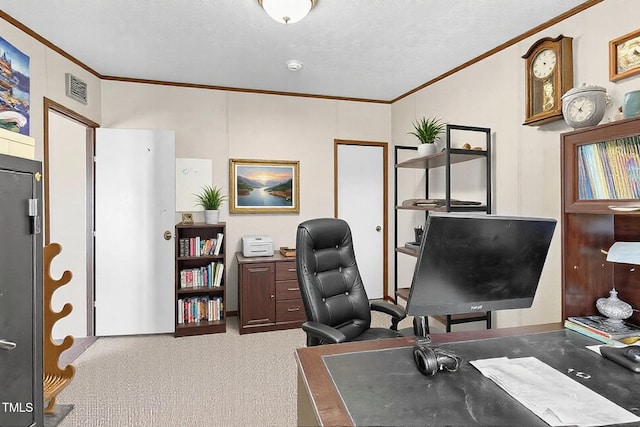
(388, 308)
(323, 332)
(396, 312)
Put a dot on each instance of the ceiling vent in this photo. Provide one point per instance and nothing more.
(75, 88)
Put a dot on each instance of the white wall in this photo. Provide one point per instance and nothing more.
(219, 125)
(491, 94)
(47, 70)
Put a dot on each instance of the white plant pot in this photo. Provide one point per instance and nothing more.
(211, 217)
(426, 149)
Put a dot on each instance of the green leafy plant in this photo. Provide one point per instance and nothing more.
(211, 198)
(428, 130)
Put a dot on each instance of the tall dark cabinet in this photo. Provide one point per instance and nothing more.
(20, 292)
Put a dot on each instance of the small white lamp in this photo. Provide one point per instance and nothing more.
(613, 308)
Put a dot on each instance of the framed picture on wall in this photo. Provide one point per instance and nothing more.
(624, 56)
(264, 186)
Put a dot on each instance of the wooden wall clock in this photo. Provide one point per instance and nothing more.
(548, 75)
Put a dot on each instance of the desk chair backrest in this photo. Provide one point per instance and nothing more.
(330, 283)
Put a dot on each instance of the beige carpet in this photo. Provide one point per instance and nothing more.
(209, 380)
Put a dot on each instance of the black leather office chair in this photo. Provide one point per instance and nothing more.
(333, 294)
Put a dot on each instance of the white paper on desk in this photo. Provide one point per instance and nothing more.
(555, 398)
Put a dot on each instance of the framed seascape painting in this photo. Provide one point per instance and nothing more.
(264, 186)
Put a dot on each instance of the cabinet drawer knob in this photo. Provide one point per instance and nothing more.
(293, 309)
(293, 289)
(291, 270)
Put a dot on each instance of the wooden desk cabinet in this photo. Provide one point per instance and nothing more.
(268, 294)
(600, 206)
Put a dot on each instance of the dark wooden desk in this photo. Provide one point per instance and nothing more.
(319, 402)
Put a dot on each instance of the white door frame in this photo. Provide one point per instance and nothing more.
(385, 196)
(52, 106)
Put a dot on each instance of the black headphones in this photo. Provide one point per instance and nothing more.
(430, 360)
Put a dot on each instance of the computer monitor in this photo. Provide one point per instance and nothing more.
(476, 262)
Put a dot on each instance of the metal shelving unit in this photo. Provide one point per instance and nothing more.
(444, 159)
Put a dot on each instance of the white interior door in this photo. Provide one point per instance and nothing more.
(135, 205)
(361, 204)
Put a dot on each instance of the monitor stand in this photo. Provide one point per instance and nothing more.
(421, 330)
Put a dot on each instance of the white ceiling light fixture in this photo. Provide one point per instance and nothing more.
(287, 11)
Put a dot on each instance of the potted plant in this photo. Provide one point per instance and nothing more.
(211, 199)
(428, 131)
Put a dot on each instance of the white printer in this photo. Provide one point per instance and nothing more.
(257, 246)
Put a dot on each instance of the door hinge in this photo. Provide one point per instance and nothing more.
(35, 218)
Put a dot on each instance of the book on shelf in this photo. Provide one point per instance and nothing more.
(438, 202)
(608, 169)
(197, 309)
(196, 246)
(208, 276)
(607, 329)
(218, 244)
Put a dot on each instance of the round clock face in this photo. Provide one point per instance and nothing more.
(581, 109)
(584, 106)
(544, 63)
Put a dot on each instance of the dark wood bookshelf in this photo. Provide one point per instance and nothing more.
(204, 232)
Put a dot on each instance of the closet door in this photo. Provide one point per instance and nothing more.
(361, 202)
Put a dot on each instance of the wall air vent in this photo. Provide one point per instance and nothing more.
(75, 88)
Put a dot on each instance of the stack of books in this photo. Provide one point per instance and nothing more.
(599, 328)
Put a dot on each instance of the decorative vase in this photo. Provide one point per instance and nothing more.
(426, 149)
(631, 105)
(613, 308)
(211, 217)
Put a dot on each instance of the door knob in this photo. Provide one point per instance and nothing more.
(7, 345)
(167, 235)
(378, 228)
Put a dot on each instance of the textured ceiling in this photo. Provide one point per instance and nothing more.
(368, 49)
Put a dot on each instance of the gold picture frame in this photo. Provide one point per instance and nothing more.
(264, 186)
(624, 56)
(187, 218)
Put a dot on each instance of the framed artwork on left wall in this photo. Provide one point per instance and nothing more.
(264, 186)
(15, 88)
